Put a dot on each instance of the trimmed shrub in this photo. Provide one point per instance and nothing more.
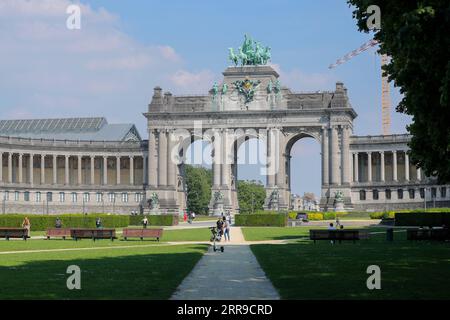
(155, 220)
(43, 222)
(313, 216)
(382, 215)
(261, 220)
(432, 219)
(329, 215)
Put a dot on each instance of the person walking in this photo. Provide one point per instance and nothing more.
(219, 225)
(331, 227)
(226, 229)
(98, 223)
(26, 224)
(145, 222)
(58, 223)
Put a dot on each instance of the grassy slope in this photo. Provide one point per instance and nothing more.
(409, 270)
(136, 273)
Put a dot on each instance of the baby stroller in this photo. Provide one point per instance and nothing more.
(216, 237)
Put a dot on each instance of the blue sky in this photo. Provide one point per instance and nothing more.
(125, 48)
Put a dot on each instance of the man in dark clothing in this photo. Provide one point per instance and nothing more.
(58, 223)
(219, 224)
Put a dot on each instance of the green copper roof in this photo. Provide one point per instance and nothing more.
(88, 129)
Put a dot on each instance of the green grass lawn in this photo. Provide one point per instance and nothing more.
(304, 270)
(123, 273)
(202, 234)
(280, 233)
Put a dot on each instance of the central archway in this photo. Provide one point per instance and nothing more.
(303, 172)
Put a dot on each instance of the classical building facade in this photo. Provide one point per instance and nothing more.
(87, 165)
(71, 165)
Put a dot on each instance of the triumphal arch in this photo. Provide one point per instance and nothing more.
(250, 102)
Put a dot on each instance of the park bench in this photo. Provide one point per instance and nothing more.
(93, 234)
(58, 233)
(439, 234)
(8, 233)
(142, 233)
(338, 235)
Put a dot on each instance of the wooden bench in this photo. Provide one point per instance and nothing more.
(338, 235)
(8, 233)
(58, 233)
(438, 234)
(142, 233)
(93, 234)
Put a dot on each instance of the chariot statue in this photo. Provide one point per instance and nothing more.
(251, 53)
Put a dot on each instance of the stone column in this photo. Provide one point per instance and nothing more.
(132, 169)
(55, 169)
(42, 168)
(382, 170)
(216, 160)
(225, 161)
(162, 158)
(271, 166)
(356, 167)
(325, 157)
(10, 175)
(346, 155)
(406, 166)
(105, 170)
(31, 168)
(394, 165)
(419, 174)
(118, 170)
(171, 164)
(80, 165)
(281, 174)
(66, 170)
(152, 160)
(145, 164)
(92, 170)
(369, 166)
(334, 156)
(20, 165)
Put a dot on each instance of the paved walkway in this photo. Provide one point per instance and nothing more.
(234, 274)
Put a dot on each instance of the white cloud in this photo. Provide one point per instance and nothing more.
(299, 80)
(193, 82)
(51, 71)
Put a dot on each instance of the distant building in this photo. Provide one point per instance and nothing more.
(306, 203)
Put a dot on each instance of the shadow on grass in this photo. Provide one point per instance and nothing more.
(133, 274)
(304, 270)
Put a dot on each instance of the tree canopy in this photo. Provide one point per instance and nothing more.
(198, 184)
(251, 196)
(415, 34)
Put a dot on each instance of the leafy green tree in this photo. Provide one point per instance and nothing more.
(251, 196)
(198, 184)
(415, 34)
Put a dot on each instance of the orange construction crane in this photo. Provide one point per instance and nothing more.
(385, 88)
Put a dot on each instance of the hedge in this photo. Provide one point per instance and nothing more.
(43, 222)
(426, 219)
(156, 220)
(261, 220)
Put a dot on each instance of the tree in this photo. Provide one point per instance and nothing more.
(251, 196)
(415, 34)
(198, 184)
